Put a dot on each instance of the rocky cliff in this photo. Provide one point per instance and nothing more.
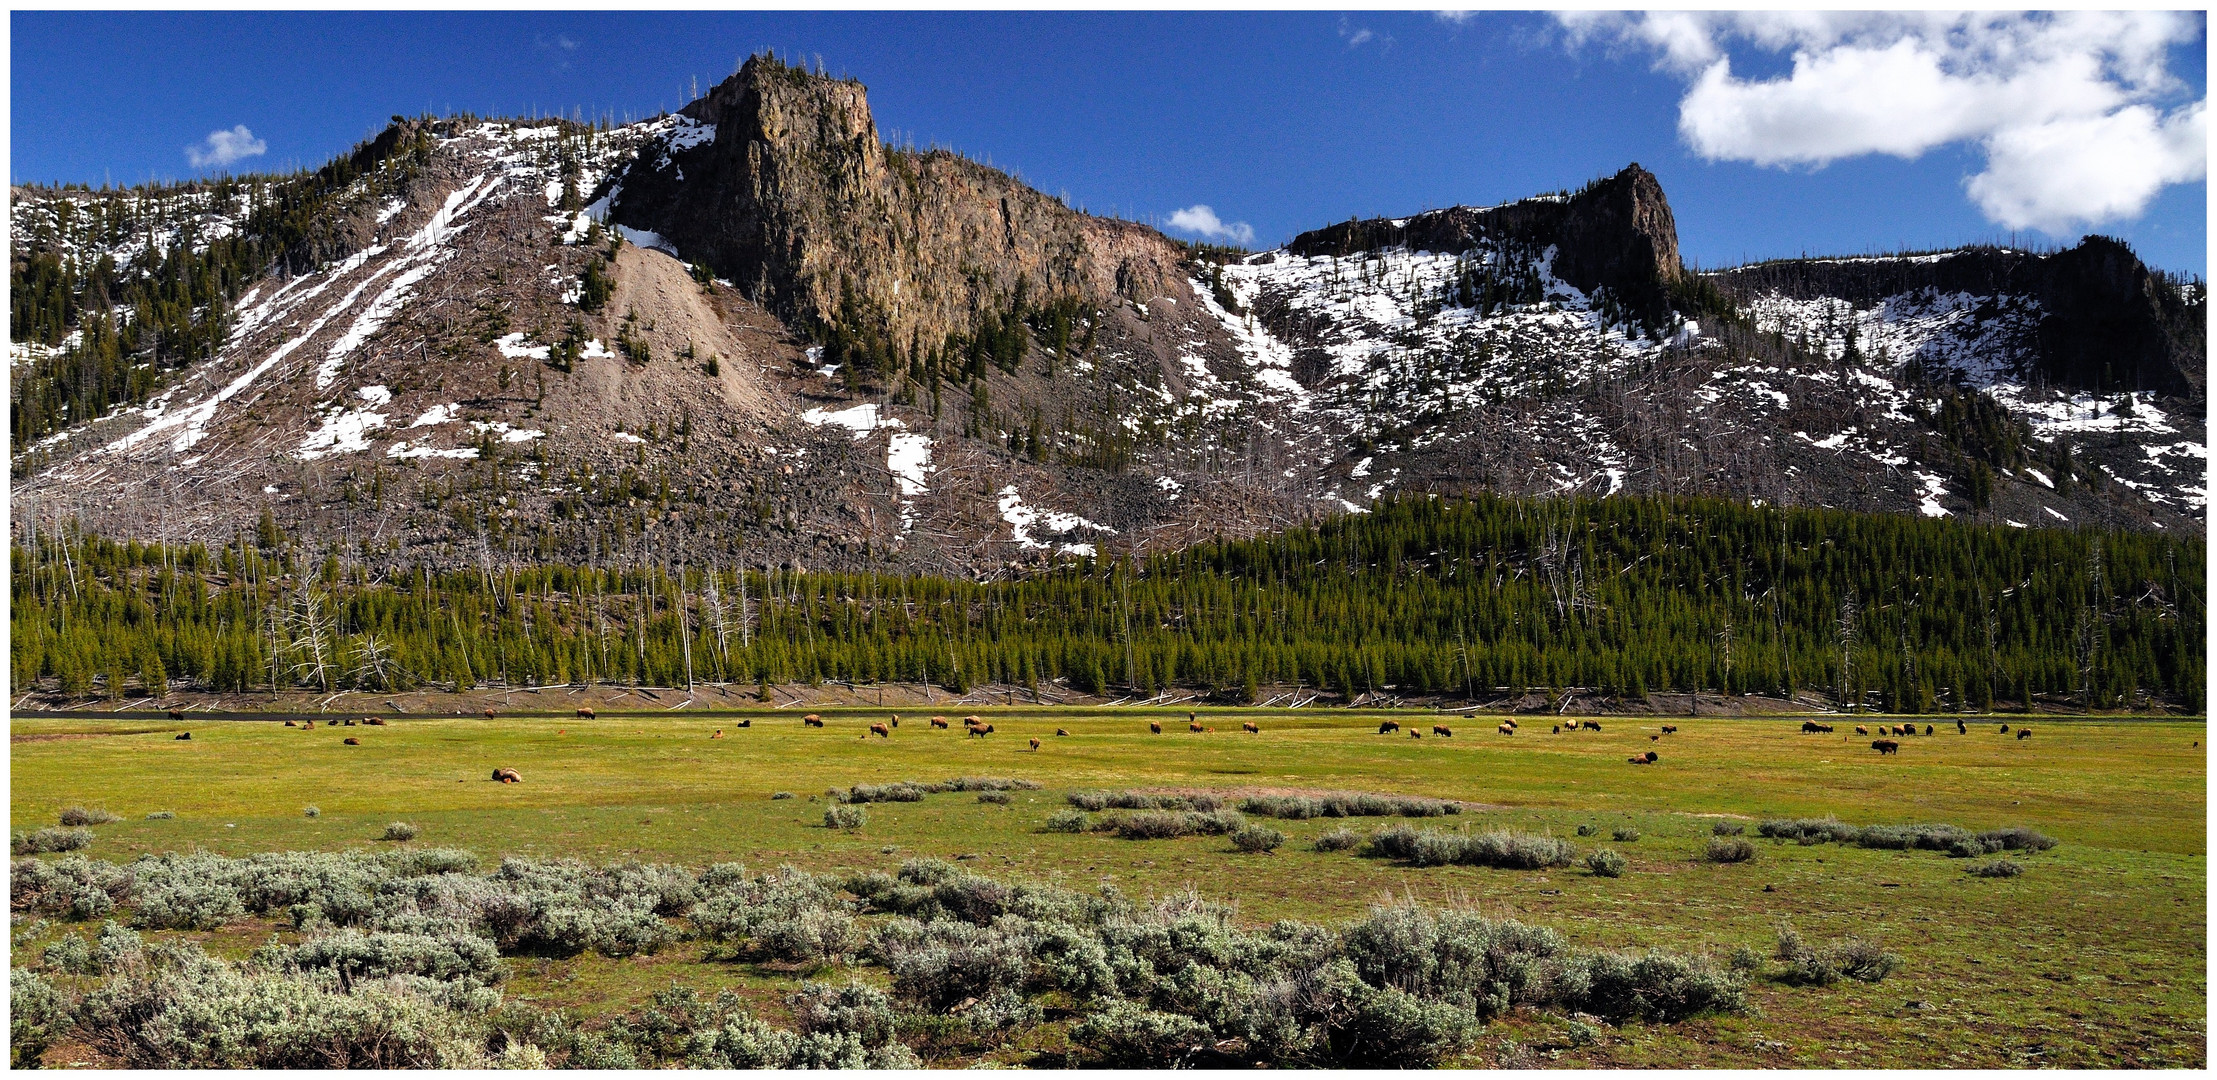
(783, 187)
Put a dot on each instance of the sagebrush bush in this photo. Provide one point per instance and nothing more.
(1812, 830)
(1588, 830)
(1129, 1035)
(1625, 835)
(1725, 828)
(1169, 824)
(1603, 862)
(845, 817)
(1746, 960)
(1996, 868)
(78, 815)
(1141, 800)
(38, 1016)
(161, 815)
(1728, 850)
(51, 839)
(69, 955)
(1256, 838)
(311, 812)
(2016, 839)
(1862, 960)
(1068, 821)
(1852, 957)
(399, 830)
(1340, 839)
(781, 795)
(1300, 807)
(997, 798)
(1500, 849)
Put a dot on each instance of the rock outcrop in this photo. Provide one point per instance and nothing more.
(796, 200)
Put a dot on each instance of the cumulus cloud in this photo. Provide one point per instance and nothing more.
(1203, 222)
(2078, 114)
(221, 148)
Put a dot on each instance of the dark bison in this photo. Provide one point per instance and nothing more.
(490, 714)
(353, 741)
(812, 720)
(2024, 733)
(749, 722)
(1653, 757)
(1655, 738)
(1590, 725)
(182, 735)
(1811, 727)
(1388, 727)
(289, 723)
(1885, 746)
(176, 714)
(1506, 730)
(507, 776)
(1035, 744)
(1443, 731)
(1961, 728)
(586, 714)
(1928, 729)
(1059, 732)
(350, 721)
(1155, 726)
(881, 731)
(2005, 729)
(1670, 729)
(1558, 730)
(939, 722)
(1249, 727)
(1194, 726)
(375, 721)
(1861, 730)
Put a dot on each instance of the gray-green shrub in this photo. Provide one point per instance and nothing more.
(1299, 807)
(1340, 839)
(399, 830)
(1068, 821)
(1625, 835)
(1726, 828)
(1996, 868)
(996, 798)
(161, 815)
(78, 815)
(1257, 838)
(845, 817)
(1728, 850)
(1603, 862)
(51, 839)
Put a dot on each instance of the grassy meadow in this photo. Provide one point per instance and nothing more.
(2095, 956)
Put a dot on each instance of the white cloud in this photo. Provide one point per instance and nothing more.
(2079, 117)
(1203, 222)
(224, 147)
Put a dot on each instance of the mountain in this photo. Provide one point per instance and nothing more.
(752, 333)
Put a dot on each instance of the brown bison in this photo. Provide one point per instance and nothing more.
(490, 714)
(971, 721)
(184, 735)
(1195, 727)
(1059, 732)
(881, 731)
(175, 714)
(1035, 745)
(1443, 731)
(1415, 734)
(1154, 726)
(1811, 727)
(289, 723)
(980, 730)
(1590, 725)
(1928, 729)
(1637, 759)
(586, 714)
(812, 720)
(1249, 727)
(353, 741)
(1506, 730)
(375, 721)
(1510, 721)
(1861, 730)
(718, 735)
(350, 721)
(1388, 727)
(1655, 738)
(507, 776)
(1885, 746)
(2024, 733)
(894, 719)
(939, 721)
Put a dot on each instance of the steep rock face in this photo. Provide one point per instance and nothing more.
(794, 198)
(1615, 234)
(2104, 322)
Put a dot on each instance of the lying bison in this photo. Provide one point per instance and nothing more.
(353, 742)
(507, 776)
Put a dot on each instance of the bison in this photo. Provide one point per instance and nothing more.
(351, 741)
(1885, 746)
(812, 720)
(350, 721)
(1035, 745)
(1861, 730)
(1655, 738)
(1961, 728)
(881, 731)
(507, 776)
(1388, 727)
(183, 735)
(176, 714)
(1670, 729)
(1558, 730)
(1637, 759)
(939, 722)
(1811, 727)
(1653, 757)
(718, 735)
(491, 715)
(1511, 721)
(2024, 733)
(1154, 726)
(1590, 725)
(1060, 732)
(2005, 729)
(1249, 727)
(289, 723)
(1415, 734)
(971, 721)
(586, 714)
(1443, 731)
(1506, 730)
(1928, 729)
(981, 730)
(749, 722)
(375, 721)
(1195, 727)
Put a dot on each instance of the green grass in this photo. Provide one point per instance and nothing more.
(2095, 956)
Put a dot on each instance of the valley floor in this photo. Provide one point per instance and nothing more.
(2094, 957)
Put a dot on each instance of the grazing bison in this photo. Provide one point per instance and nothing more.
(351, 741)
(1194, 726)
(981, 730)
(490, 714)
(1154, 726)
(1670, 729)
(1415, 734)
(1249, 727)
(1506, 730)
(176, 714)
(1655, 738)
(1811, 727)
(881, 731)
(1511, 721)
(2024, 733)
(1861, 730)
(183, 735)
(939, 722)
(1388, 727)
(1885, 746)
(971, 721)
(812, 720)
(507, 776)
(1035, 745)
(1649, 758)
(2005, 729)
(749, 722)
(1928, 729)
(586, 714)
(1060, 732)
(1443, 731)
(1558, 730)
(1961, 729)
(718, 735)
(1590, 725)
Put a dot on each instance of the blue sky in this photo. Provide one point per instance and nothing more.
(1280, 122)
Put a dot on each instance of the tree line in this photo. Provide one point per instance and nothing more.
(1474, 598)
